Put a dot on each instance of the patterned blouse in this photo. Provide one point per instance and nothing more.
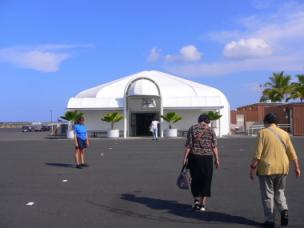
(201, 140)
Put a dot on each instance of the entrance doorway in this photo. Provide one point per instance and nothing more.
(140, 123)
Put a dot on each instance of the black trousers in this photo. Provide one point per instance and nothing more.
(201, 171)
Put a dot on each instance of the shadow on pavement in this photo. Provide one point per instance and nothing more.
(65, 165)
(182, 210)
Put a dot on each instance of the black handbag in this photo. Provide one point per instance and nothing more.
(183, 179)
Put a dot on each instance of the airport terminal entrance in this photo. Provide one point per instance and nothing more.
(140, 123)
(143, 105)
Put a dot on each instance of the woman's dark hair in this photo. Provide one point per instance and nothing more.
(204, 118)
(271, 118)
(80, 119)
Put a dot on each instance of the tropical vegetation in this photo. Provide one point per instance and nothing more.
(171, 118)
(112, 117)
(280, 88)
(72, 116)
(213, 115)
(298, 88)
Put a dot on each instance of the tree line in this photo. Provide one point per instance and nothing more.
(280, 88)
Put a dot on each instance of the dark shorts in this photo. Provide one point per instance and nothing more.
(82, 144)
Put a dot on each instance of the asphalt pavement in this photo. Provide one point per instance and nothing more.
(129, 183)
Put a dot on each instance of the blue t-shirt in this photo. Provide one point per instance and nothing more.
(80, 131)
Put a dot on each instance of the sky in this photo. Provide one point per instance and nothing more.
(50, 50)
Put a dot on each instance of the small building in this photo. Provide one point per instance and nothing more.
(251, 114)
(147, 95)
(289, 114)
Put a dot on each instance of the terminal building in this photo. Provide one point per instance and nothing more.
(147, 95)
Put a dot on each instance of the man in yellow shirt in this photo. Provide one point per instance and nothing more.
(271, 163)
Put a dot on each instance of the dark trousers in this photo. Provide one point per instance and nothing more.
(201, 171)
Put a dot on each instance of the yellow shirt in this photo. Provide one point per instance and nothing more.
(271, 153)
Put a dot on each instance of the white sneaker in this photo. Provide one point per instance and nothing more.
(203, 208)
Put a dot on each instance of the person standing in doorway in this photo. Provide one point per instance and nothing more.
(154, 129)
(271, 163)
(200, 149)
(81, 141)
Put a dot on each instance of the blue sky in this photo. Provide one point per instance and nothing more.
(51, 50)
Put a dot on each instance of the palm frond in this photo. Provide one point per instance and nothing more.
(112, 117)
(213, 115)
(171, 117)
(72, 115)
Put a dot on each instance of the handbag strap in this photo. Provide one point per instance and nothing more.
(183, 168)
(278, 137)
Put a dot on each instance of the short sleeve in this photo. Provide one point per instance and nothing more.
(214, 139)
(291, 153)
(189, 138)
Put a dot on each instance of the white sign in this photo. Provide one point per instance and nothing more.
(149, 103)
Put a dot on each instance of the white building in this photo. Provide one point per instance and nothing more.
(146, 95)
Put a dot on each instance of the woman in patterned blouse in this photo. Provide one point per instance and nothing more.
(200, 148)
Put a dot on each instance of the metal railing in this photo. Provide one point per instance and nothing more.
(253, 130)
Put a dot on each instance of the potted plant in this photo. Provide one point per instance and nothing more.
(113, 117)
(171, 118)
(71, 117)
(214, 116)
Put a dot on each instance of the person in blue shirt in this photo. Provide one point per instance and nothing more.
(81, 141)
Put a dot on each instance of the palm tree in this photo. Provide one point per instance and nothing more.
(213, 115)
(264, 98)
(72, 116)
(298, 88)
(171, 118)
(279, 87)
(112, 117)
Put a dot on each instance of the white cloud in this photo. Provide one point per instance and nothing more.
(247, 48)
(154, 55)
(224, 36)
(43, 61)
(43, 58)
(272, 63)
(284, 26)
(171, 58)
(63, 46)
(264, 42)
(188, 53)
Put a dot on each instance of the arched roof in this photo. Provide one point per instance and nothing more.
(175, 92)
(142, 87)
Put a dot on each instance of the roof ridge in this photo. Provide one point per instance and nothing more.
(179, 79)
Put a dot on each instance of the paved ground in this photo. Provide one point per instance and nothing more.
(129, 183)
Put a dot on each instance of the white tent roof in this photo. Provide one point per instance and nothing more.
(175, 92)
(143, 87)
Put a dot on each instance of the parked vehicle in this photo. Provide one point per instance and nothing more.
(26, 128)
(35, 127)
(45, 128)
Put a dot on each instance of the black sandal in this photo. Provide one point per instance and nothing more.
(284, 218)
(196, 206)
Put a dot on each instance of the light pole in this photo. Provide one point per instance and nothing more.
(51, 112)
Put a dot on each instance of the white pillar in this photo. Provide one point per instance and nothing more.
(125, 118)
(219, 121)
(161, 120)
